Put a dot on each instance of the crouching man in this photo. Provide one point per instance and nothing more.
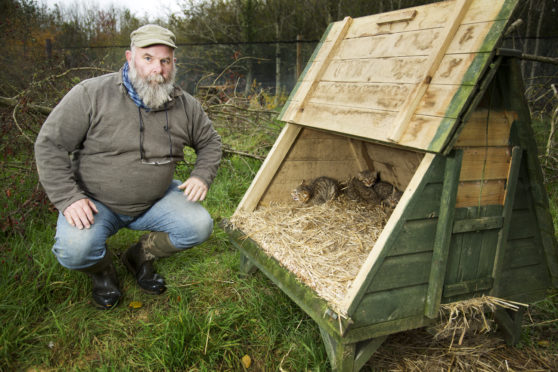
(106, 158)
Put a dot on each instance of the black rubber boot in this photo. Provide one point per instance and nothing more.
(139, 260)
(106, 293)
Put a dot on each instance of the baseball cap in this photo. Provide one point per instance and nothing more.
(152, 34)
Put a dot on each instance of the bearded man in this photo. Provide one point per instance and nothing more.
(106, 157)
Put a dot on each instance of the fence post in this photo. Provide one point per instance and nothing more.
(298, 56)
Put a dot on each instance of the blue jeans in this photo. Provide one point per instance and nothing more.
(186, 222)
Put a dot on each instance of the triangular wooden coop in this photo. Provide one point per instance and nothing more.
(424, 96)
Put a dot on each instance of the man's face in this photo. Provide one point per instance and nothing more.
(153, 61)
(152, 73)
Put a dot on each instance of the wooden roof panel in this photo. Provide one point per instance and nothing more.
(396, 76)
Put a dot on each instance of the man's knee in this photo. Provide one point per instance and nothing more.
(78, 251)
(195, 232)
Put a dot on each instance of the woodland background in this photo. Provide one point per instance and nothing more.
(240, 58)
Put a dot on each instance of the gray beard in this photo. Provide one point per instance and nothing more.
(153, 90)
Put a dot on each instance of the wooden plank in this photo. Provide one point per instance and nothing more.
(469, 286)
(487, 253)
(429, 206)
(511, 82)
(523, 225)
(407, 110)
(507, 213)
(367, 123)
(477, 224)
(341, 355)
(386, 328)
(402, 16)
(384, 96)
(388, 235)
(470, 254)
(269, 167)
(517, 281)
(509, 323)
(468, 38)
(485, 128)
(415, 237)
(320, 149)
(485, 163)
(402, 70)
(391, 305)
(428, 17)
(356, 149)
(443, 235)
(476, 193)
(402, 271)
(522, 252)
(365, 350)
(325, 54)
(396, 166)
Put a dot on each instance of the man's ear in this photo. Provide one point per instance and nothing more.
(129, 56)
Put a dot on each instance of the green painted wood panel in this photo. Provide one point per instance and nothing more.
(387, 328)
(416, 236)
(442, 240)
(412, 206)
(477, 224)
(472, 252)
(523, 252)
(390, 305)
(402, 271)
(468, 287)
(429, 206)
(523, 225)
(487, 254)
(519, 282)
(510, 81)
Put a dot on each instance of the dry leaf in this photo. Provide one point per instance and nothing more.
(246, 361)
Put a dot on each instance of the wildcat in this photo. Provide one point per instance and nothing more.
(388, 193)
(360, 188)
(319, 191)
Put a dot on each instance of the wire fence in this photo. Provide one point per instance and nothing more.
(274, 66)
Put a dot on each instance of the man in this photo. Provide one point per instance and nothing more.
(106, 158)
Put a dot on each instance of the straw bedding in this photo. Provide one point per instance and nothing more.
(324, 245)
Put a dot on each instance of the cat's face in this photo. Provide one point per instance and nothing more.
(301, 194)
(367, 177)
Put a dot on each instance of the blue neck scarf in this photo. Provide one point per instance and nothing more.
(130, 88)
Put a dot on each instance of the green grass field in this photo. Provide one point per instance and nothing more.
(210, 317)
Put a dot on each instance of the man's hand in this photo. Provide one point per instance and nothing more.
(194, 189)
(80, 213)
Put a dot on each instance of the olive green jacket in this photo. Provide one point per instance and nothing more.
(89, 146)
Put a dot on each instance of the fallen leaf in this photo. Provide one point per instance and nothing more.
(135, 304)
(246, 361)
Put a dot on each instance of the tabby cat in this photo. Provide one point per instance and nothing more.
(388, 193)
(321, 190)
(360, 188)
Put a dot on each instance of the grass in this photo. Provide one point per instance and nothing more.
(210, 317)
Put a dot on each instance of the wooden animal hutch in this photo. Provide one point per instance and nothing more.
(424, 96)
